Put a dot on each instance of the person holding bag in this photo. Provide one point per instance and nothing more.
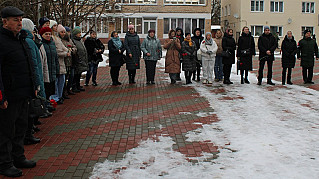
(229, 47)
(116, 57)
(245, 52)
(172, 61)
(208, 48)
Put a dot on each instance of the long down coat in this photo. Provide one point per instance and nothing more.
(172, 62)
(189, 56)
(246, 42)
(230, 45)
(289, 51)
(132, 46)
(81, 63)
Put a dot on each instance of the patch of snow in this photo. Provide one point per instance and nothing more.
(185, 113)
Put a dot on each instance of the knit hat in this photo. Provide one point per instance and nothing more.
(52, 23)
(266, 27)
(208, 33)
(76, 31)
(43, 20)
(186, 34)
(151, 30)
(67, 29)
(27, 24)
(130, 27)
(306, 31)
(44, 30)
(60, 28)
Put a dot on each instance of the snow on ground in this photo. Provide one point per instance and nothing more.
(264, 132)
(105, 58)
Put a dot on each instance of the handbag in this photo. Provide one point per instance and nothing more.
(36, 107)
(226, 54)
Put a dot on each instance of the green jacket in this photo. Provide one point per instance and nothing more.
(152, 46)
(307, 49)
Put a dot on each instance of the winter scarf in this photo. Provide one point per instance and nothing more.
(189, 42)
(117, 42)
(208, 42)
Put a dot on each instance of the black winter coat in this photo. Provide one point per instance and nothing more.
(246, 43)
(115, 58)
(289, 51)
(91, 46)
(53, 60)
(265, 43)
(230, 45)
(17, 79)
(132, 46)
(189, 56)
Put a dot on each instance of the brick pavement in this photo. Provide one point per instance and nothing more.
(105, 121)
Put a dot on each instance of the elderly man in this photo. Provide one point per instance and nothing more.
(16, 88)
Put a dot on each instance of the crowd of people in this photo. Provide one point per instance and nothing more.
(47, 63)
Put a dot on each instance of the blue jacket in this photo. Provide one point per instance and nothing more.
(37, 65)
(152, 46)
(53, 60)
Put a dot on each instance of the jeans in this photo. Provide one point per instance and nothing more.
(59, 85)
(92, 72)
(70, 79)
(150, 70)
(219, 67)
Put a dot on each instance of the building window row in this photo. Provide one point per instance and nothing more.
(258, 30)
(278, 6)
(174, 2)
(187, 24)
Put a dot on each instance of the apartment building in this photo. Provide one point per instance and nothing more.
(161, 15)
(280, 15)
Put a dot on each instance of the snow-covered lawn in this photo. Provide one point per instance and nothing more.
(264, 132)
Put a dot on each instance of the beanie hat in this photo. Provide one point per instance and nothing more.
(67, 29)
(76, 31)
(44, 30)
(151, 30)
(27, 24)
(266, 27)
(52, 23)
(208, 33)
(43, 20)
(187, 33)
(60, 28)
(130, 27)
(306, 31)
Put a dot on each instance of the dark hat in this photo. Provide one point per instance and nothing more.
(151, 30)
(187, 33)
(11, 11)
(67, 28)
(44, 30)
(43, 20)
(306, 31)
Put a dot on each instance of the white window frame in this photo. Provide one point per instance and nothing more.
(229, 10)
(198, 19)
(184, 3)
(253, 30)
(259, 6)
(278, 29)
(226, 11)
(137, 2)
(277, 3)
(307, 3)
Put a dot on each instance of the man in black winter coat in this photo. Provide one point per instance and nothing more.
(16, 88)
(267, 45)
(288, 60)
(197, 38)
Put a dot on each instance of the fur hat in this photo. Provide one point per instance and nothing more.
(27, 24)
(44, 30)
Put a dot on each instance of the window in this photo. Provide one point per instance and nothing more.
(145, 2)
(275, 29)
(257, 30)
(229, 10)
(185, 2)
(257, 6)
(121, 24)
(308, 7)
(303, 28)
(276, 6)
(187, 24)
(226, 11)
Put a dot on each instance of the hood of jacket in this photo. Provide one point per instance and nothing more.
(200, 35)
(150, 38)
(228, 36)
(246, 35)
(177, 29)
(29, 34)
(131, 35)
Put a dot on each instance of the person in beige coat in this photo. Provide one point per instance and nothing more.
(209, 49)
(172, 62)
(62, 52)
(219, 75)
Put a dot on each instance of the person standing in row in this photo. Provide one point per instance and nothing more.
(132, 46)
(307, 49)
(245, 52)
(80, 59)
(209, 49)
(17, 87)
(172, 61)
(95, 49)
(267, 45)
(152, 51)
(52, 59)
(179, 34)
(116, 57)
(188, 55)
(197, 38)
(218, 68)
(288, 60)
(229, 47)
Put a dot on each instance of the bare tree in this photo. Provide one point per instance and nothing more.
(216, 12)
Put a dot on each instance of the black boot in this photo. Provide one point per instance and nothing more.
(24, 164)
(241, 79)
(194, 75)
(11, 172)
(269, 82)
(30, 139)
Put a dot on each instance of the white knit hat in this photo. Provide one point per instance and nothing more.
(27, 24)
(52, 23)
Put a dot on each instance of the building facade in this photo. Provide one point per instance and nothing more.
(280, 15)
(160, 15)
